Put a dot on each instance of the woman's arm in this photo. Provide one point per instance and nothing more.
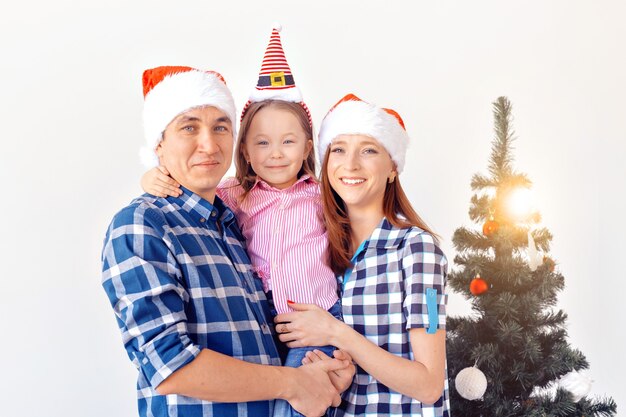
(422, 378)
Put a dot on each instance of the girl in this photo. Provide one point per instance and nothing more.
(393, 271)
(276, 199)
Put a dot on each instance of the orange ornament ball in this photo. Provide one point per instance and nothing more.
(490, 227)
(478, 286)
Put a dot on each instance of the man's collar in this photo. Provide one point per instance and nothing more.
(193, 203)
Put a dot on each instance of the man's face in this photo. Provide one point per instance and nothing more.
(197, 149)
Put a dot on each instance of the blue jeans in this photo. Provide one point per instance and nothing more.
(282, 408)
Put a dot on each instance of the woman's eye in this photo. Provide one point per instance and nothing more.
(370, 150)
(336, 150)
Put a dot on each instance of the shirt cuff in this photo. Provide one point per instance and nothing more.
(165, 356)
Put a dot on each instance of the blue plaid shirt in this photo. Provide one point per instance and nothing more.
(179, 280)
(397, 275)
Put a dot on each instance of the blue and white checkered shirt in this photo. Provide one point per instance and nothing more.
(179, 280)
(397, 275)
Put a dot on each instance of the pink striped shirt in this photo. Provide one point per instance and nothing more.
(286, 239)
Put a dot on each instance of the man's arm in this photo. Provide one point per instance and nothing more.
(149, 301)
(213, 376)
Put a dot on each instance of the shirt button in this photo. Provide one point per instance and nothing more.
(213, 214)
(265, 327)
(202, 220)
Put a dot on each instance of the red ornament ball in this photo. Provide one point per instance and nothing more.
(490, 227)
(478, 286)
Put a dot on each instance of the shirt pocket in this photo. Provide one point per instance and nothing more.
(310, 218)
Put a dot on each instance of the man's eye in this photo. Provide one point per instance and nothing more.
(221, 128)
(188, 128)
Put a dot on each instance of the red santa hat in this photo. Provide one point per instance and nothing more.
(353, 116)
(171, 90)
(275, 78)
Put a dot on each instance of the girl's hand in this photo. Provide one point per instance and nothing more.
(309, 325)
(341, 378)
(158, 182)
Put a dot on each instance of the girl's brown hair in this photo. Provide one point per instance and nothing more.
(396, 208)
(244, 172)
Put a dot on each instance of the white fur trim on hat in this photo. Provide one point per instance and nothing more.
(286, 94)
(360, 118)
(176, 94)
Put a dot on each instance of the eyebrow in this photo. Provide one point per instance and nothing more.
(364, 143)
(223, 119)
(185, 119)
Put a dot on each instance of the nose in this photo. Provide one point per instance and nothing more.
(207, 143)
(352, 161)
(276, 152)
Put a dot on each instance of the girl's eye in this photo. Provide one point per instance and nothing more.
(262, 142)
(288, 141)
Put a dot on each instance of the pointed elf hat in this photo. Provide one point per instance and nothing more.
(353, 116)
(275, 78)
(171, 90)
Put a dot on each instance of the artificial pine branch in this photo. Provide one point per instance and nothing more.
(501, 158)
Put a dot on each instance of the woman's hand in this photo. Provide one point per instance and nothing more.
(158, 182)
(341, 378)
(309, 325)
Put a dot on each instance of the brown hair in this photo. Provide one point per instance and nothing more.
(396, 208)
(244, 172)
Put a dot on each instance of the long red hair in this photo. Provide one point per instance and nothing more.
(396, 208)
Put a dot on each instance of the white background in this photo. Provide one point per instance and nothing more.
(71, 128)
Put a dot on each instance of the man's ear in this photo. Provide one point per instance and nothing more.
(159, 150)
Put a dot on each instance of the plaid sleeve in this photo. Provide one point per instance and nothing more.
(140, 278)
(425, 268)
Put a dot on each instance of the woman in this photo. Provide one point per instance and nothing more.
(391, 270)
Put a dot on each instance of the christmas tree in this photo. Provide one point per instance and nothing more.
(512, 354)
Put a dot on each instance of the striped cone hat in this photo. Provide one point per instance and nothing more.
(275, 78)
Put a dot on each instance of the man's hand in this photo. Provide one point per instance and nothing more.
(341, 378)
(313, 392)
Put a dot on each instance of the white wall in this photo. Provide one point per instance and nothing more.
(70, 129)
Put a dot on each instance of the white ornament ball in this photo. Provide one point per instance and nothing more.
(471, 383)
(577, 383)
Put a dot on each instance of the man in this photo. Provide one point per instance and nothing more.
(194, 320)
